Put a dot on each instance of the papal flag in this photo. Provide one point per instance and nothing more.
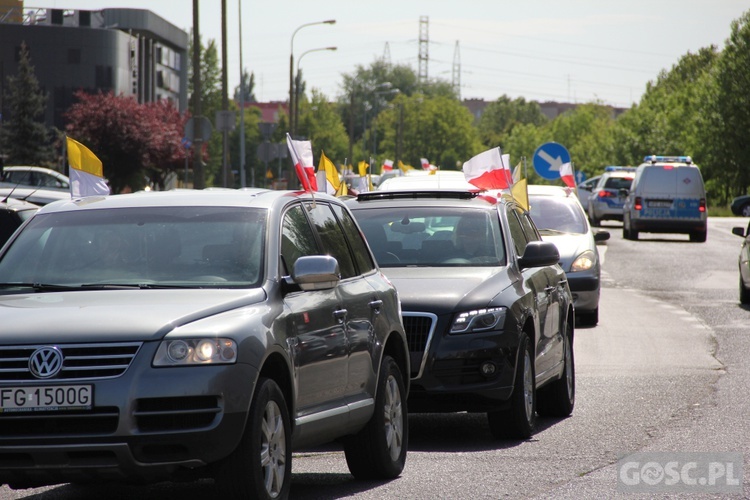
(333, 182)
(519, 189)
(86, 172)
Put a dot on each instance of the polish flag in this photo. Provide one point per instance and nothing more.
(425, 163)
(566, 174)
(489, 170)
(387, 166)
(302, 157)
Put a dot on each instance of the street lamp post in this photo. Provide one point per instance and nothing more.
(291, 71)
(295, 111)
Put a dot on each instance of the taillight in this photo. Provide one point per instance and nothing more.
(702, 205)
(605, 194)
(638, 204)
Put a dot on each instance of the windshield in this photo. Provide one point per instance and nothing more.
(434, 236)
(143, 247)
(557, 214)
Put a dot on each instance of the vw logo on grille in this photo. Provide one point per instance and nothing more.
(46, 362)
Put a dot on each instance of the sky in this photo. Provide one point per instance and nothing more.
(545, 50)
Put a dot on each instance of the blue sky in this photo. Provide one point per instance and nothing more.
(564, 50)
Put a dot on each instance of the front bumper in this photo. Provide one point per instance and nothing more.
(144, 426)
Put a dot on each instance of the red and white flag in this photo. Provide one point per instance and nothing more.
(425, 163)
(302, 157)
(489, 170)
(387, 166)
(566, 174)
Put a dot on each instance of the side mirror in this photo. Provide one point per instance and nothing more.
(316, 272)
(539, 254)
(739, 231)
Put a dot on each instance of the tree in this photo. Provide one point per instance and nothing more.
(733, 105)
(133, 141)
(248, 81)
(320, 123)
(501, 116)
(24, 137)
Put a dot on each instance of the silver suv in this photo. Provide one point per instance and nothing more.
(151, 336)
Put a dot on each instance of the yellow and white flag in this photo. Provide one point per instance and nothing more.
(333, 182)
(519, 189)
(86, 172)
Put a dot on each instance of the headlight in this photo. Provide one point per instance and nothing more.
(479, 320)
(584, 262)
(201, 351)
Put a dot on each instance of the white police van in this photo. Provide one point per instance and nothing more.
(667, 196)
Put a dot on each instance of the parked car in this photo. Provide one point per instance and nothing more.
(487, 309)
(31, 176)
(37, 196)
(667, 196)
(741, 205)
(744, 263)
(13, 213)
(608, 196)
(584, 190)
(163, 335)
(560, 219)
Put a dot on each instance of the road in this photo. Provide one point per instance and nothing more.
(664, 371)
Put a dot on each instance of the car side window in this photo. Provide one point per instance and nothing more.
(297, 239)
(516, 232)
(332, 237)
(529, 228)
(359, 248)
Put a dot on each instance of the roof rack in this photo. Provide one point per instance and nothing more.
(423, 193)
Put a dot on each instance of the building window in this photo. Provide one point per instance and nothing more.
(84, 18)
(103, 77)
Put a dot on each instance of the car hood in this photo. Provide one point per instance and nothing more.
(571, 246)
(102, 315)
(447, 289)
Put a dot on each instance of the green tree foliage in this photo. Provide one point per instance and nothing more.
(732, 104)
(437, 128)
(322, 125)
(135, 142)
(500, 117)
(24, 138)
(248, 81)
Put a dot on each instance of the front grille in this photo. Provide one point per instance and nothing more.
(419, 328)
(176, 414)
(80, 361)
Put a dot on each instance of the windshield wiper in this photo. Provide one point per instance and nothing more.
(40, 287)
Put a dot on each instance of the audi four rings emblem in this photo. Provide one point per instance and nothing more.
(46, 362)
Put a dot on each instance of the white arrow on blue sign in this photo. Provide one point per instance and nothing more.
(548, 158)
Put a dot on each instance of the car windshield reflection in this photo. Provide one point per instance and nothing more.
(140, 247)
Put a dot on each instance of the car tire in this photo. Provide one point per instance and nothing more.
(519, 420)
(593, 220)
(558, 398)
(698, 236)
(588, 318)
(261, 466)
(378, 451)
(744, 293)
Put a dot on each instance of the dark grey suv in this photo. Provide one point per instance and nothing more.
(197, 333)
(487, 309)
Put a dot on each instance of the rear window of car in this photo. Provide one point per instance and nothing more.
(558, 214)
(618, 183)
(432, 236)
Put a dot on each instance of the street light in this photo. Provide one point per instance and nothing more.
(291, 70)
(296, 84)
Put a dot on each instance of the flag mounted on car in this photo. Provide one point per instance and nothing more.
(86, 171)
(489, 170)
(302, 157)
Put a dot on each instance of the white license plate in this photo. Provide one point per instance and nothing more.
(46, 398)
(660, 204)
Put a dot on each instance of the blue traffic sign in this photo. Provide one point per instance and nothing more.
(548, 158)
(580, 176)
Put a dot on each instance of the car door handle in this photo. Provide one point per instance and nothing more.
(340, 314)
(376, 305)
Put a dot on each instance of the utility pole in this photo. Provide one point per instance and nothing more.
(224, 95)
(199, 182)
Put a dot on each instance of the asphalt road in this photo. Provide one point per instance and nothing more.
(664, 371)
